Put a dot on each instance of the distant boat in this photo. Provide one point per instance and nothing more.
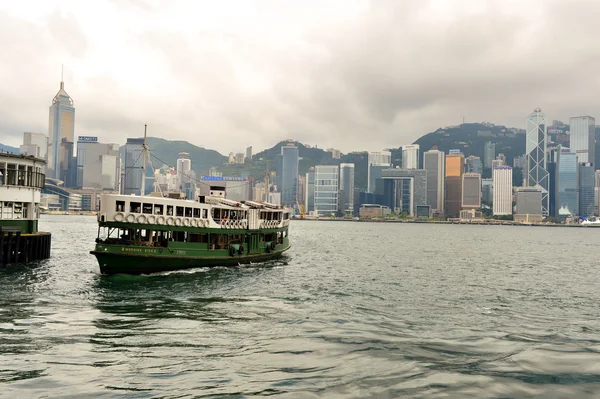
(593, 222)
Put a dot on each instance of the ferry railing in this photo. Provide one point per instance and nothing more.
(23, 178)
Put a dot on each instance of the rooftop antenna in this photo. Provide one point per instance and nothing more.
(62, 71)
(144, 154)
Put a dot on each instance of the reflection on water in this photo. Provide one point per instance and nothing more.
(355, 310)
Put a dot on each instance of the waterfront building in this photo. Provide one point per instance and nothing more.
(502, 190)
(376, 162)
(583, 138)
(287, 174)
(489, 154)
(346, 199)
(487, 190)
(536, 141)
(301, 189)
(473, 165)
(249, 153)
(471, 191)
(586, 189)
(98, 164)
(454, 171)
(404, 189)
(529, 204)
(373, 211)
(326, 188)
(597, 191)
(375, 173)
(567, 190)
(309, 202)
(61, 134)
(133, 166)
(410, 156)
(434, 164)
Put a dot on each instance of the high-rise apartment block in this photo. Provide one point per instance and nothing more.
(473, 165)
(434, 164)
(583, 138)
(410, 156)
(61, 135)
(502, 190)
(184, 168)
(489, 154)
(536, 141)
(249, 153)
(455, 167)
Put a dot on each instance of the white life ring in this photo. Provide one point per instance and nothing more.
(177, 221)
(160, 220)
(193, 223)
(205, 223)
(141, 219)
(130, 218)
(119, 217)
(151, 219)
(186, 222)
(170, 221)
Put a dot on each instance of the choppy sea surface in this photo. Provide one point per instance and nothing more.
(355, 310)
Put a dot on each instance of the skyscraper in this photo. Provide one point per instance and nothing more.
(502, 183)
(586, 189)
(455, 167)
(536, 138)
(583, 138)
(567, 193)
(184, 167)
(133, 166)
(346, 187)
(249, 153)
(61, 133)
(410, 156)
(471, 191)
(489, 154)
(326, 189)
(382, 160)
(404, 189)
(288, 174)
(35, 144)
(309, 201)
(434, 164)
(98, 165)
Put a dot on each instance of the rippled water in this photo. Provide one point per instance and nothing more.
(355, 310)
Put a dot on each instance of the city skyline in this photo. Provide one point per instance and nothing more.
(226, 79)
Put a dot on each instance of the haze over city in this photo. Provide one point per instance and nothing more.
(328, 74)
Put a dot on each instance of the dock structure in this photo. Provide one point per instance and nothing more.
(22, 179)
(23, 248)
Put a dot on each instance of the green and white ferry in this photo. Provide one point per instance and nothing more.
(147, 234)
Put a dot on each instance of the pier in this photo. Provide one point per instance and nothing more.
(22, 248)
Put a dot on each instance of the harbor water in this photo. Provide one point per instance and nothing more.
(355, 310)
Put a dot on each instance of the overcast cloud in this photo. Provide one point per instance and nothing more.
(355, 75)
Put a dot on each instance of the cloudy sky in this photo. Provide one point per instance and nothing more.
(350, 74)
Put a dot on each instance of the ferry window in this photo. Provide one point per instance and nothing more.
(188, 212)
(179, 211)
(147, 208)
(198, 237)
(120, 206)
(158, 209)
(7, 210)
(205, 213)
(196, 213)
(135, 207)
(169, 210)
(233, 214)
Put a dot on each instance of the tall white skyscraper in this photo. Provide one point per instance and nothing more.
(61, 134)
(381, 157)
(535, 146)
(583, 138)
(410, 156)
(502, 181)
(326, 189)
(35, 144)
(434, 163)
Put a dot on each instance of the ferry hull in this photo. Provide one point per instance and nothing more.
(134, 263)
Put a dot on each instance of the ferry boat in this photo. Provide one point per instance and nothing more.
(141, 235)
(149, 234)
(22, 179)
